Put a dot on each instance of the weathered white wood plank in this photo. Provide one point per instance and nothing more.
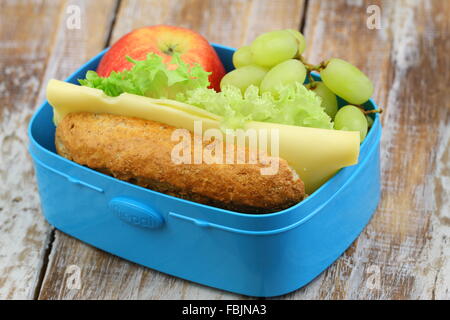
(25, 41)
(228, 22)
(37, 41)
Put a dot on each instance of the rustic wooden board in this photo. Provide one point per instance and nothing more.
(404, 253)
(23, 57)
(35, 44)
(102, 275)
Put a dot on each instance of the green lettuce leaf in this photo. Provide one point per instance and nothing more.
(151, 77)
(292, 105)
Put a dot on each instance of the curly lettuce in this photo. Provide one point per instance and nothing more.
(151, 77)
(289, 104)
(292, 105)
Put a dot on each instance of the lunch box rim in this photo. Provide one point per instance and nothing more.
(370, 137)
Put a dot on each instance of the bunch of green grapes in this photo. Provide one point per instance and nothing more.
(275, 58)
(271, 60)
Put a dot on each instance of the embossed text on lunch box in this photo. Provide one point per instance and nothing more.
(134, 213)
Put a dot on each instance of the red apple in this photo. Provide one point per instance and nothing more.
(164, 41)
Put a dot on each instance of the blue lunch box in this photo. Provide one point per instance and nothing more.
(256, 255)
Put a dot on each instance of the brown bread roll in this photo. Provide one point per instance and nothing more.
(139, 151)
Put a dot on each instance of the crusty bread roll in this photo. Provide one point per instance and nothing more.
(139, 151)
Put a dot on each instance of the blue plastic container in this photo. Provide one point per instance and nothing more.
(256, 255)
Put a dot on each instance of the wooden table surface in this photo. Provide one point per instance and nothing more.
(404, 253)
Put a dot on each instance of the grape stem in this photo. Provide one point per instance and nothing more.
(310, 67)
(312, 82)
(373, 111)
(368, 111)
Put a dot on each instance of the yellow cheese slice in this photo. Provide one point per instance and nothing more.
(316, 154)
(65, 98)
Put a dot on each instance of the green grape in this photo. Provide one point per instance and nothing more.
(244, 77)
(271, 48)
(329, 100)
(285, 73)
(351, 118)
(300, 41)
(369, 121)
(242, 57)
(347, 81)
